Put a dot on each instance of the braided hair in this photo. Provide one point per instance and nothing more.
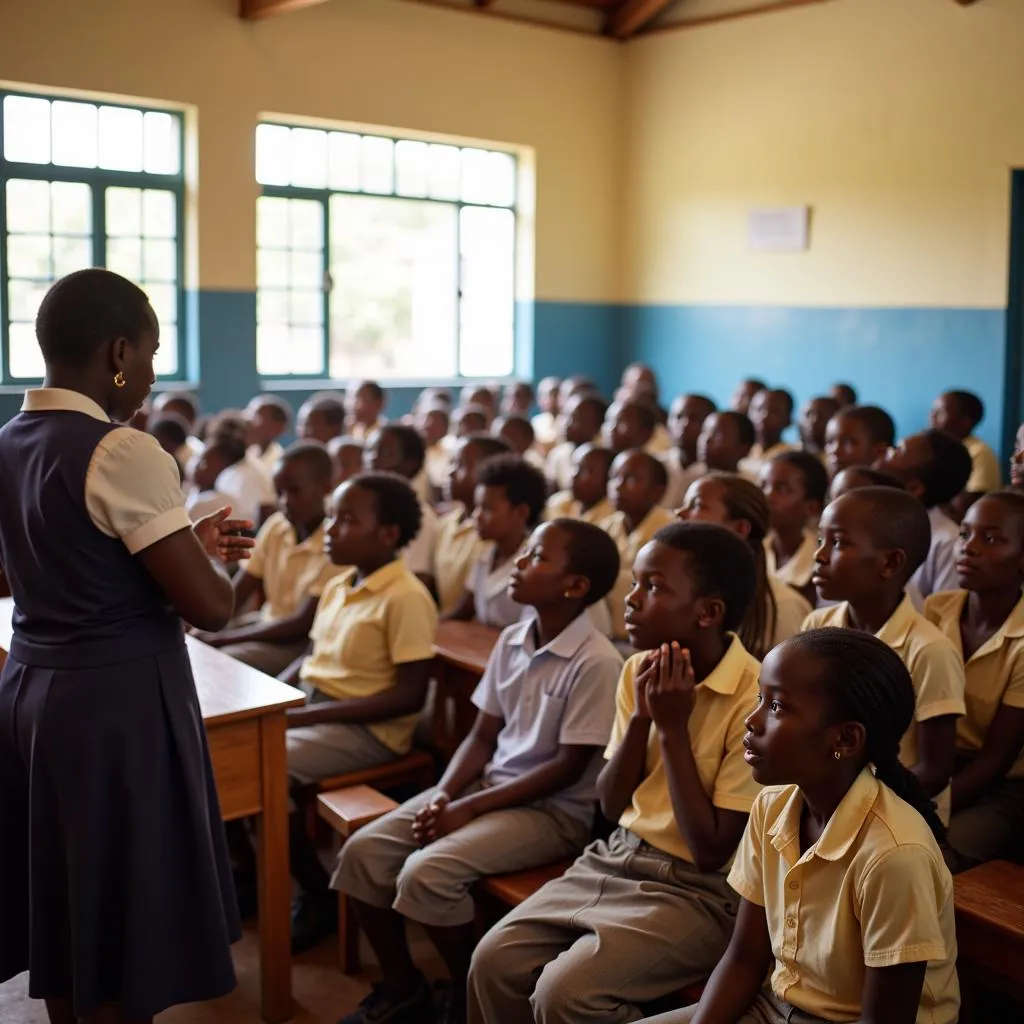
(744, 500)
(867, 682)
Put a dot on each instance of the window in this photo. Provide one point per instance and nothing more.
(83, 185)
(383, 257)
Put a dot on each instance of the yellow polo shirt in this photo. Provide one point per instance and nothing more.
(873, 891)
(563, 505)
(791, 608)
(363, 632)
(629, 545)
(994, 672)
(759, 457)
(797, 572)
(935, 666)
(985, 474)
(290, 570)
(457, 546)
(721, 703)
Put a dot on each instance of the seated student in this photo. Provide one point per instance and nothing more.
(725, 440)
(432, 424)
(639, 383)
(519, 791)
(648, 910)
(457, 545)
(517, 399)
(584, 416)
(844, 394)
(346, 459)
(546, 424)
(744, 395)
(219, 475)
(289, 567)
(518, 432)
(686, 419)
(364, 407)
(631, 425)
(368, 669)
(985, 623)
(269, 417)
(171, 431)
(933, 468)
(855, 477)
(248, 480)
(771, 412)
(872, 541)
(587, 499)
(858, 435)
(777, 611)
(321, 418)
(795, 484)
(185, 405)
(636, 487)
(813, 424)
(959, 413)
(396, 448)
(469, 420)
(509, 500)
(482, 397)
(840, 871)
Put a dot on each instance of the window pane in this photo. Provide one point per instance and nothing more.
(166, 360)
(71, 205)
(27, 130)
(307, 270)
(307, 223)
(272, 268)
(158, 214)
(343, 149)
(377, 161)
(124, 212)
(280, 351)
(502, 178)
(272, 162)
(394, 268)
(272, 221)
(164, 300)
(71, 254)
(74, 134)
(120, 139)
(488, 177)
(159, 260)
(272, 306)
(124, 257)
(28, 205)
(411, 168)
(26, 359)
(306, 308)
(486, 343)
(308, 151)
(444, 172)
(161, 144)
(29, 256)
(25, 297)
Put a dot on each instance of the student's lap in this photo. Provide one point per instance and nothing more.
(316, 752)
(767, 1008)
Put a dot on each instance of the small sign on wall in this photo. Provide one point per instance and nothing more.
(779, 229)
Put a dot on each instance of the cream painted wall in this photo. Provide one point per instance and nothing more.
(374, 61)
(897, 120)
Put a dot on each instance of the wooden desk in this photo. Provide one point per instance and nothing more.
(461, 650)
(243, 711)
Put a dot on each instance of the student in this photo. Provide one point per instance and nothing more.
(844, 394)
(116, 889)
(546, 424)
(685, 421)
(469, 420)
(771, 412)
(959, 413)
(432, 423)
(813, 424)
(269, 418)
(855, 477)
(520, 790)
(631, 425)
(518, 399)
(795, 484)
(587, 499)
(744, 395)
(288, 568)
(1017, 460)
(367, 673)
(871, 542)
(584, 415)
(509, 500)
(364, 408)
(482, 397)
(933, 467)
(640, 384)
(346, 459)
(206, 492)
(247, 480)
(777, 611)
(171, 433)
(571, 387)
(648, 910)
(185, 405)
(636, 487)
(457, 545)
(321, 418)
(858, 435)
(725, 440)
(840, 872)
(985, 623)
(397, 448)
(518, 432)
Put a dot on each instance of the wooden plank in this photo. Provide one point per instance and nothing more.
(770, 7)
(466, 645)
(349, 809)
(491, 12)
(254, 10)
(632, 16)
(235, 755)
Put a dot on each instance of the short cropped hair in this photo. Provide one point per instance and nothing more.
(311, 454)
(171, 426)
(164, 399)
(744, 426)
(328, 405)
(810, 468)
(488, 445)
(372, 388)
(278, 408)
(229, 433)
(646, 412)
(523, 484)
(948, 471)
(969, 404)
(522, 425)
(785, 395)
(410, 444)
(896, 520)
(397, 504)
(593, 400)
(592, 553)
(875, 419)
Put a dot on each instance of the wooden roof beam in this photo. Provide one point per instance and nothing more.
(253, 10)
(632, 16)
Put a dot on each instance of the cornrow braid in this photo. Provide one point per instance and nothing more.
(867, 682)
(744, 500)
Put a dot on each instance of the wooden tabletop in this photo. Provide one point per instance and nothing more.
(465, 644)
(228, 690)
(993, 895)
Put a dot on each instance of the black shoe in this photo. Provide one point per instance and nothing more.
(314, 918)
(450, 1001)
(380, 1007)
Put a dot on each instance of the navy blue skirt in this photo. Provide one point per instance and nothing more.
(115, 884)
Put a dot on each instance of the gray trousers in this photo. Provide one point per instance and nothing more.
(767, 1008)
(626, 925)
(991, 829)
(384, 866)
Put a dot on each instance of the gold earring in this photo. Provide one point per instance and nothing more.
(119, 379)
(837, 755)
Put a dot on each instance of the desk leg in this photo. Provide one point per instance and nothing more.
(275, 884)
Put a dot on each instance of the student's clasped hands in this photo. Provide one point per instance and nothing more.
(665, 687)
(440, 818)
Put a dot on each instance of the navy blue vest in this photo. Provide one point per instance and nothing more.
(81, 600)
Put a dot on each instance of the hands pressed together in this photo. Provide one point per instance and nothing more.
(665, 687)
(440, 818)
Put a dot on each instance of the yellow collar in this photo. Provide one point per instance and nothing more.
(376, 581)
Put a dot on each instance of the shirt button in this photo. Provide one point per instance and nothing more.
(790, 922)
(794, 885)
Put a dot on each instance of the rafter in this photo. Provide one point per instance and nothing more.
(632, 16)
(253, 10)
